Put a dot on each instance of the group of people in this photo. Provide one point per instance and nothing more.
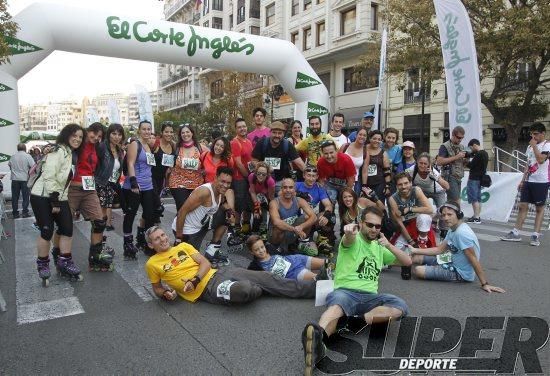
(282, 197)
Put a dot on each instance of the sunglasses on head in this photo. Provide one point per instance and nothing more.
(311, 169)
(327, 143)
(371, 225)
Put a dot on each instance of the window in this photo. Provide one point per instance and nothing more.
(347, 21)
(307, 39)
(205, 7)
(217, 5)
(373, 16)
(307, 4)
(295, 7)
(358, 79)
(217, 23)
(413, 92)
(320, 34)
(255, 9)
(206, 23)
(241, 12)
(320, 1)
(270, 14)
(294, 38)
(216, 89)
(414, 130)
(254, 30)
(230, 22)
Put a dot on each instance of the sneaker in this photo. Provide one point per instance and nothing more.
(314, 348)
(218, 259)
(15, 215)
(306, 248)
(26, 215)
(474, 220)
(511, 237)
(109, 228)
(535, 240)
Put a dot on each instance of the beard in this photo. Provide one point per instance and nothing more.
(315, 132)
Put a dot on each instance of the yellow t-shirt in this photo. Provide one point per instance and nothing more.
(176, 266)
(312, 146)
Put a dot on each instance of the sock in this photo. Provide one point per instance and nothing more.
(515, 231)
(46, 258)
(536, 234)
(66, 255)
(304, 241)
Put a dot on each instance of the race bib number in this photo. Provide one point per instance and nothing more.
(151, 159)
(274, 163)
(444, 258)
(224, 289)
(291, 220)
(373, 170)
(280, 267)
(190, 163)
(167, 160)
(88, 183)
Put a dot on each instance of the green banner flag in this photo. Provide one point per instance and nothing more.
(18, 46)
(315, 109)
(303, 81)
(4, 157)
(4, 122)
(4, 87)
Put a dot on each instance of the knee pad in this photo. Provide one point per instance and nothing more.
(46, 233)
(98, 226)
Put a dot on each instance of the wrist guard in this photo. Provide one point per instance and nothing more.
(330, 216)
(133, 182)
(164, 294)
(372, 196)
(195, 281)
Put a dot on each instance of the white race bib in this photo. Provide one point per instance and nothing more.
(274, 163)
(280, 267)
(290, 220)
(373, 170)
(151, 159)
(190, 163)
(444, 258)
(88, 183)
(224, 289)
(167, 160)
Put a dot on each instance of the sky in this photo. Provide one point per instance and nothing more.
(74, 76)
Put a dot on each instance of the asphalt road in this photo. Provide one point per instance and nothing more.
(111, 324)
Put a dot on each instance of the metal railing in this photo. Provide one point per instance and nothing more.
(179, 76)
(175, 7)
(414, 96)
(517, 161)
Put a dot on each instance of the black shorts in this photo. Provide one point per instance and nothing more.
(42, 210)
(534, 193)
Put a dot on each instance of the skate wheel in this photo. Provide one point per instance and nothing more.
(45, 282)
(111, 268)
(79, 278)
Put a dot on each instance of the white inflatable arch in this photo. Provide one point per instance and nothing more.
(45, 27)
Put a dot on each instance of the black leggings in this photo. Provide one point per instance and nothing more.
(131, 204)
(45, 218)
(180, 195)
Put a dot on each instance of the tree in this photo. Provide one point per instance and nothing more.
(513, 51)
(7, 28)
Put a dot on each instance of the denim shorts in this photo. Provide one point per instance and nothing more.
(473, 190)
(357, 303)
(300, 265)
(436, 272)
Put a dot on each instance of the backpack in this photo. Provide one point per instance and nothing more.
(36, 171)
(125, 160)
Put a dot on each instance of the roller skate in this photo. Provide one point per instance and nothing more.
(130, 250)
(306, 247)
(263, 231)
(324, 246)
(43, 267)
(55, 254)
(108, 249)
(214, 255)
(326, 271)
(67, 268)
(99, 259)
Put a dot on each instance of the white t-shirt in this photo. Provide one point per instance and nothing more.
(340, 140)
(427, 185)
(538, 173)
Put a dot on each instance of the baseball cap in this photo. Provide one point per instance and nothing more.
(278, 125)
(408, 144)
(368, 114)
(423, 222)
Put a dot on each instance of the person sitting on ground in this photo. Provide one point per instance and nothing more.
(288, 224)
(299, 267)
(464, 249)
(350, 206)
(189, 274)
(262, 191)
(362, 254)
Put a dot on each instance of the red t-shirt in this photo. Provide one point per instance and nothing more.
(87, 162)
(337, 173)
(210, 167)
(243, 149)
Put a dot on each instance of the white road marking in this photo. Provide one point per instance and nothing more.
(34, 302)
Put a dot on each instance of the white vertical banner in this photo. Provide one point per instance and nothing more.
(91, 116)
(381, 80)
(145, 108)
(114, 114)
(461, 69)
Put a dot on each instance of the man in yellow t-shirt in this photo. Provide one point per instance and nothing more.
(311, 145)
(188, 274)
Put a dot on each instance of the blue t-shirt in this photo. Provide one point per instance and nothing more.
(459, 240)
(316, 192)
(285, 266)
(406, 165)
(395, 154)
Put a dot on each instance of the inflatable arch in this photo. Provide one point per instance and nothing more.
(45, 27)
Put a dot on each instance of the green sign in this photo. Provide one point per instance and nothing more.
(17, 46)
(4, 122)
(315, 109)
(4, 88)
(139, 31)
(303, 80)
(4, 157)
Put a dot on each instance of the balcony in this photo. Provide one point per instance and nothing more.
(178, 4)
(252, 84)
(517, 82)
(412, 96)
(178, 76)
(168, 105)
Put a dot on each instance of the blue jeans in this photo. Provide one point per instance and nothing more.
(357, 303)
(17, 187)
(436, 272)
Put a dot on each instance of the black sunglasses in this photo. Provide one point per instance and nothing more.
(371, 225)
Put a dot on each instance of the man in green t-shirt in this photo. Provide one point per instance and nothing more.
(363, 251)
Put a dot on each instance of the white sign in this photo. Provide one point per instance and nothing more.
(461, 70)
(498, 200)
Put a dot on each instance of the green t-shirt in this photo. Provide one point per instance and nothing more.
(358, 266)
